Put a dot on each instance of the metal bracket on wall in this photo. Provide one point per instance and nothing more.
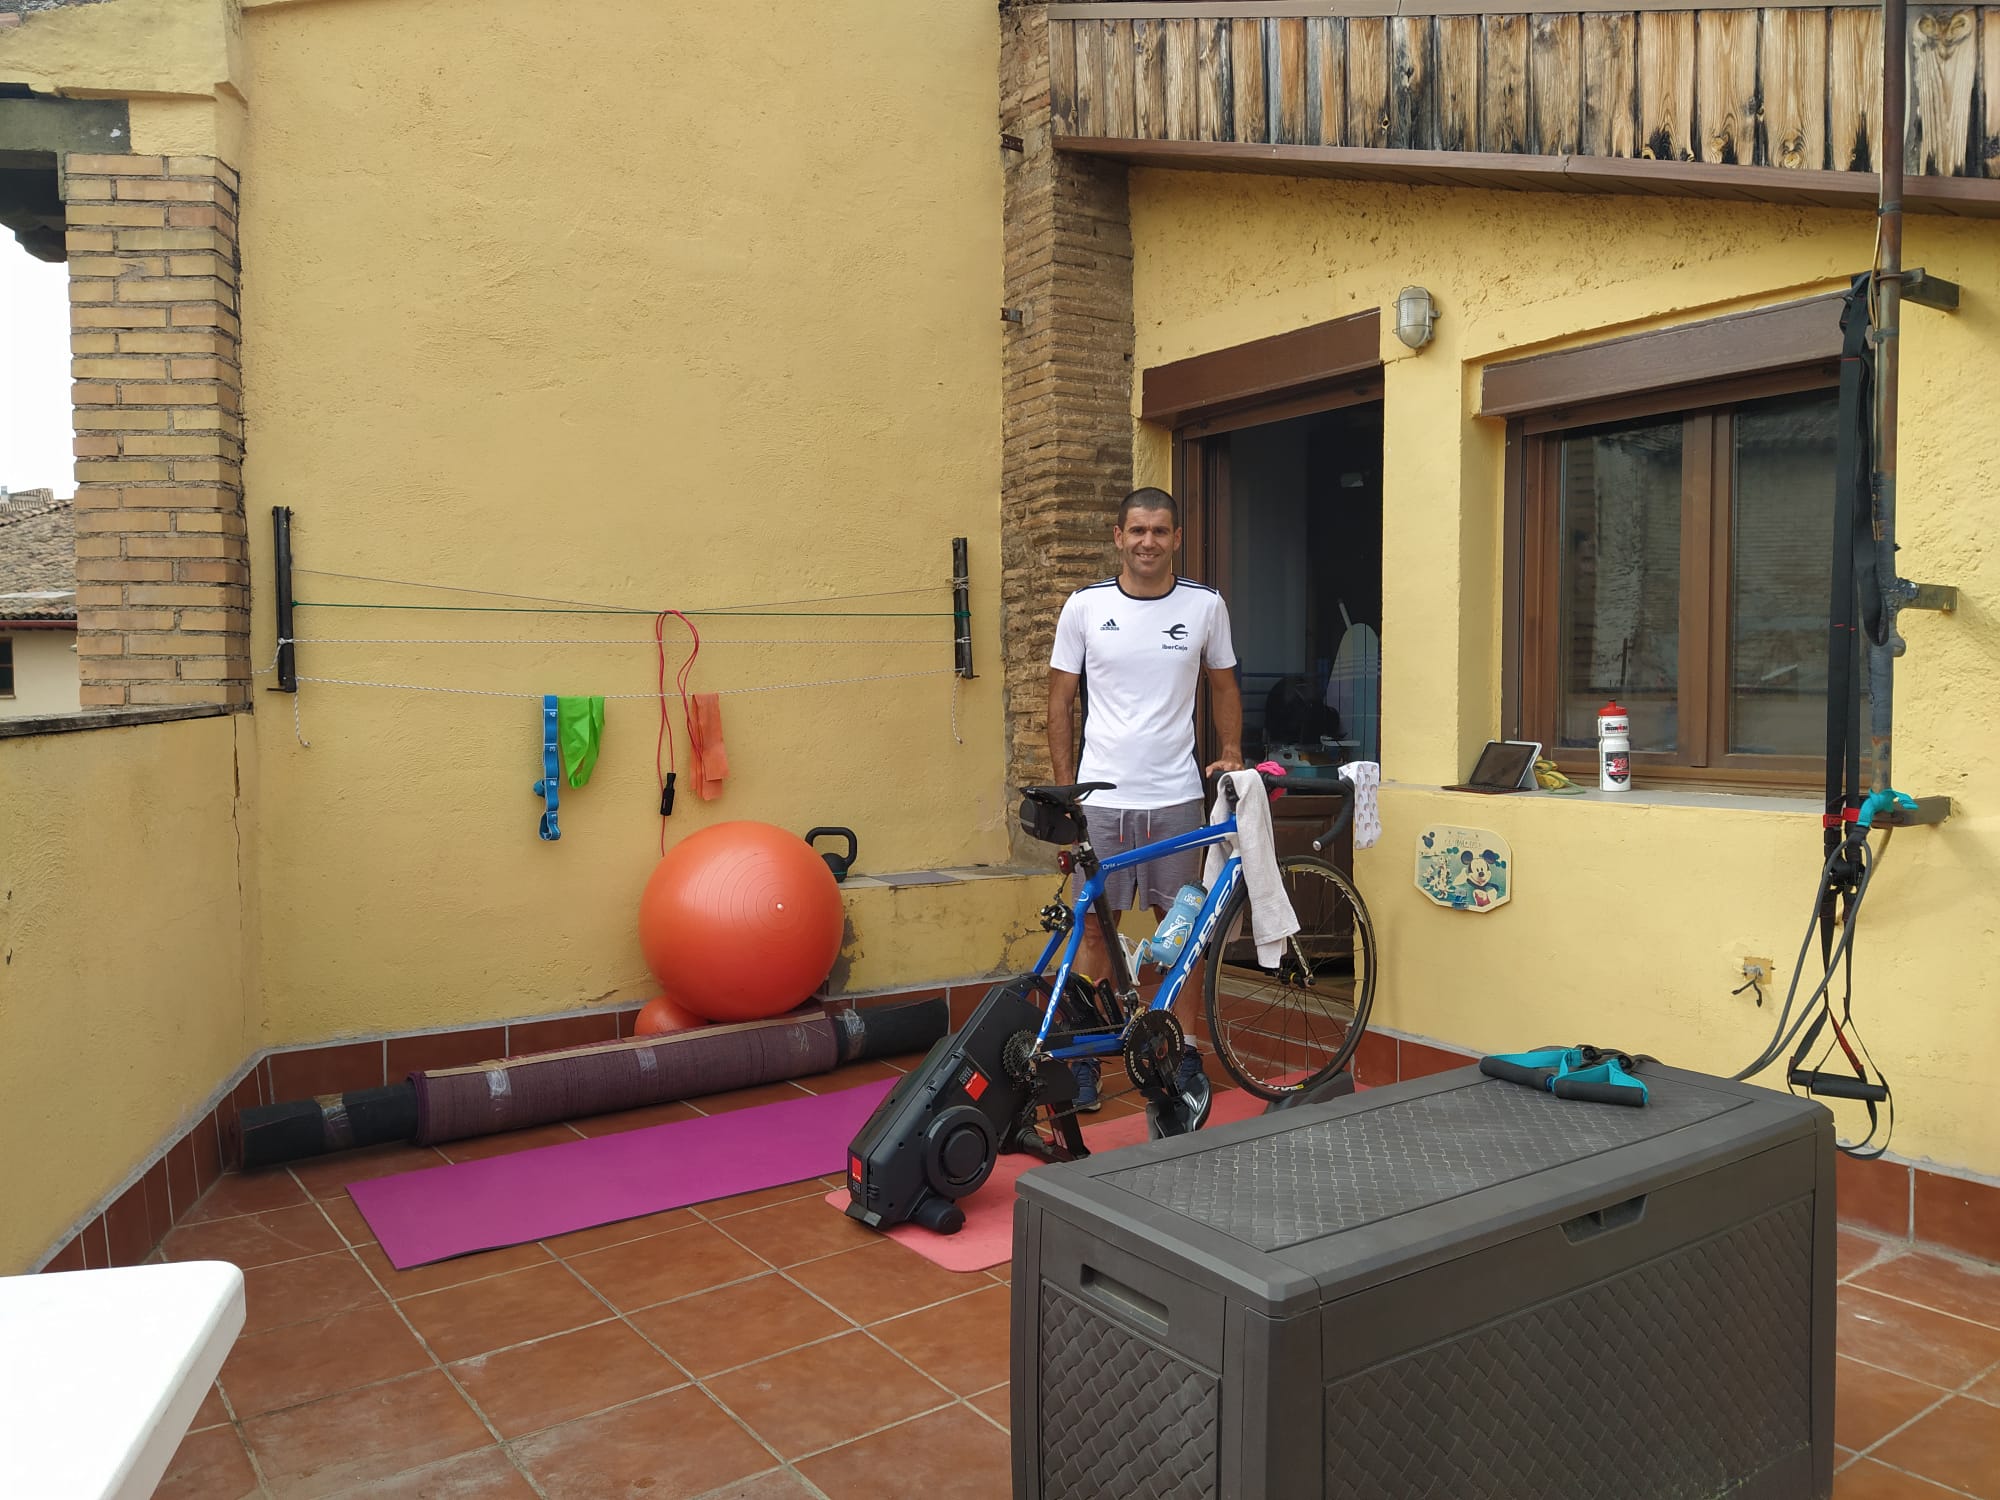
(1930, 291)
(1942, 597)
(281, 550)
(961, 610)
(1927, 812)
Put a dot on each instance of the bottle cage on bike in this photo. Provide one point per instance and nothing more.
(1054, 814)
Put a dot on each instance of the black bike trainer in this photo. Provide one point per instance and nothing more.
(935, 1138)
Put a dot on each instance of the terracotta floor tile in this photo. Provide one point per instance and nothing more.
(1948, 1286)
(255, 1239)
(538, 1385)
(1988, 1388)
(439, 1274)
(962, 1345)
(1004, 1273)
(763, 1093)
(238, 1193)
(1913, 1341)
(779, 1484)
(209, 1465)
(485, 1147)
(482, 1316)
(1858, 1250)
(1864, 1479)
(485, 1475)
(718, 1209)
(851, 1076)
(668, 1447)
(951, 1452)
(1869, 1404)
(359, 1436)
(675, 1264)
(996, 1403)
(583, 1241)
(803, 1229)
(1958, 1444)
(636, 1119)
(212, 1412)
(302, 1291)
(347, 1220)
(882, 1279)
(734, 1325)
(328, 1176)
(267, 1372)
(829, 1393)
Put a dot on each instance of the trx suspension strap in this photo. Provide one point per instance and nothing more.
(1856, 608)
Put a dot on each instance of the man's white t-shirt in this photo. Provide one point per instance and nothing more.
(1141, 661)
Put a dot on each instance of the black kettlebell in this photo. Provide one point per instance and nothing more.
(840, 864)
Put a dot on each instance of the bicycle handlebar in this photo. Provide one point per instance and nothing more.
(1339, 788)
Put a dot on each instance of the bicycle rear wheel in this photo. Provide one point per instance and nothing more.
(1282, 1029)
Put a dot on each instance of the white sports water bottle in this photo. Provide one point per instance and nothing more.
(1614, 748)
(1164, 946)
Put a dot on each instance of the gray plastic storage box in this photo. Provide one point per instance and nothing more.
(1453, 1287)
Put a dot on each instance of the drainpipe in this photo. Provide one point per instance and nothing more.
(1887, 319)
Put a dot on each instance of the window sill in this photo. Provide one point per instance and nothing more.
(1654, 796)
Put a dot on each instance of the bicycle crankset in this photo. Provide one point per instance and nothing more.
(1153, 1052)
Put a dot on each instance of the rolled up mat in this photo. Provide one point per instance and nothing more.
(513, 1093)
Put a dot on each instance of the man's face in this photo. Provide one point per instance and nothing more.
(1147, 542)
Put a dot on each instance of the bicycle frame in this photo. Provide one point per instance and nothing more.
(1104, 1042)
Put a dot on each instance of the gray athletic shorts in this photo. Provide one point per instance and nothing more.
(1114, 830)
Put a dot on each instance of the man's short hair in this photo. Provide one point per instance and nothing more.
(1149, 498)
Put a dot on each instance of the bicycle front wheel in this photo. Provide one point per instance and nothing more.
(1282, 1029)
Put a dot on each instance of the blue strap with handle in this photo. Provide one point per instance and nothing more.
(1592, 1074)
(546, 788)
(1886, 800)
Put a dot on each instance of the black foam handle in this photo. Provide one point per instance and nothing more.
(1511, 1072)
(1839, 1085)
(1597, 1093)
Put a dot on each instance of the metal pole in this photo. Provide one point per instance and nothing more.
(961, 610)
(281, 550)
(1888, 290)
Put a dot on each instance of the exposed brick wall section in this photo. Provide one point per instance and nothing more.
(1066, 412)
(163, 596)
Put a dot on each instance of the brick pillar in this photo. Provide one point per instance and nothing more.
(1066, 407)
(163, 579)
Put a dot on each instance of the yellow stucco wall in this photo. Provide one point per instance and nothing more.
(45, 680)
(1629, 921)
(122, 990)
(638, 306)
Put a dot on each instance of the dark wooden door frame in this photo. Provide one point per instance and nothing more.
(1323, 367)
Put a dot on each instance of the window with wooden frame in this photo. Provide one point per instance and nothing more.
(6, 666)
(1675, 553)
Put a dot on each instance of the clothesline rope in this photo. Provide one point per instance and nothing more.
(728, 614)
(452, 588)
(706, 640)
(769, 687)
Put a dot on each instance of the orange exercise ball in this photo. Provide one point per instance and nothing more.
(661, 1016)
(741, 921)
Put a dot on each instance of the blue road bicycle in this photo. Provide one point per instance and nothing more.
(1279, 1031)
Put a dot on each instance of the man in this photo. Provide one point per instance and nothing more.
(1139, 644)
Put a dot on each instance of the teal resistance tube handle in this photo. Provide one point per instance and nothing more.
(1886, 800)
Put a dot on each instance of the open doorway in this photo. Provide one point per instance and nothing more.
(1287, 522)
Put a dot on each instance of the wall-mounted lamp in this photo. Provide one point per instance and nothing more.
(1416, 315)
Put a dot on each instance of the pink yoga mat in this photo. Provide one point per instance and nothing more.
(988, 1236)
(420, 1217)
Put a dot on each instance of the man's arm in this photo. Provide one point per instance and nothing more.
(1225, 700)
(1062, 725)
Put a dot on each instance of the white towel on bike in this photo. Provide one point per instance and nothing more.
(1272, 919)
(1364, 776)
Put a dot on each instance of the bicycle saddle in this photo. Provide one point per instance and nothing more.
(1067, 796)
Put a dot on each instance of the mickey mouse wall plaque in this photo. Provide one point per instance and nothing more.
(1464, 869)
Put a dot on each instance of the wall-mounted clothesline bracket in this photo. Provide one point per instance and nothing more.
(961, 610)
(281, 550)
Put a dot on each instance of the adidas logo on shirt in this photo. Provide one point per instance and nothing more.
(1109, 625)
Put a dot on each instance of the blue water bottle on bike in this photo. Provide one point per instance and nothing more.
(1164, 946)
